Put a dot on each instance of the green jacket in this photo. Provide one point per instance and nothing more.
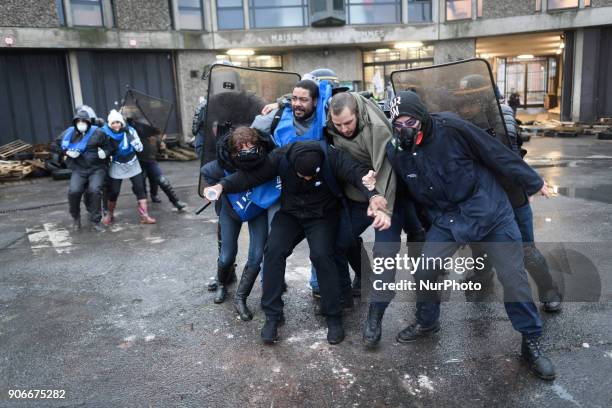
(368, 146)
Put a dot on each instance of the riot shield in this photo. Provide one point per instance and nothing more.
(464, 87)
(235, 96)
(145, 110)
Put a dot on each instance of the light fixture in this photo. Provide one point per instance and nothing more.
(559, 52)
(263, 57)
(562, 45)
(221, 56)
(408, 44)
(525, 56)
(132, 42)
(240, 52)
(381, 50)
(9, 41)
(485, 56)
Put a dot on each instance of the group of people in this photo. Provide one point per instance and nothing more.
(329, 163)
(102, 155)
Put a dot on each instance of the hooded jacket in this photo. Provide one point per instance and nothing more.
(89, 158)
(304, 199)
(452, 173)
(372, 134)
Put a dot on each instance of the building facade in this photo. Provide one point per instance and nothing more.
(55, 55)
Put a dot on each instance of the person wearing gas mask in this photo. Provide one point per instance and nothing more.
(124, 165)
(449, 166)
(87, 149)
(358, 126)
(474, 88)
(241, 149)
(311, 201)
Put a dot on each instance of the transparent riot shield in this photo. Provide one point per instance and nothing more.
(145, 110)
(464, 87)
(235, 96)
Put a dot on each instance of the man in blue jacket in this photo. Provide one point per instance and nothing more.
(450, 166)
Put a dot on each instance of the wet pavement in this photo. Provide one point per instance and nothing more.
(122, 318)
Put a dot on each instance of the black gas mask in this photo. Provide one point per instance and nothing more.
(248, 158)
(405, 136)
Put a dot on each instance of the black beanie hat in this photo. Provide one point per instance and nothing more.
(410, 104)
(308, 163)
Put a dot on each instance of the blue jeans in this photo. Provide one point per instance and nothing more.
(508, 262)
(230, 230)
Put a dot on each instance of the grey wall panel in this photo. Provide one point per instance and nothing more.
(35, 103)
(104, 76)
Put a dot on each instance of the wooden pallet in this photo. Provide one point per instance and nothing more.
(12, 148)
(14, 170)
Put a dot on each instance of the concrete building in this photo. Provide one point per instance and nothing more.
(55, 55)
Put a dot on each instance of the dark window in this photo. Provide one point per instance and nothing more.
(458, 9)
(419, 11)
(59, 7)
(87, 13)
(230, 15)
(278, 13)
(190, 15)
(373, 11)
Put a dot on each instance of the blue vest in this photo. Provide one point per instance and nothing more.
(125, 148)
(249, 204)
(285, 131)
(81, 144)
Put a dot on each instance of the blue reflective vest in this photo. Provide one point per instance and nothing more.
(285, 131)
(81, 145)
(252, 202)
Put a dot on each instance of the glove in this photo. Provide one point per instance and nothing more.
(101, 153)
(73, 153)
(137, 145)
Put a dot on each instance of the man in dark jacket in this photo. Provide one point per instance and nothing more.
(311, 201)
(87, 149)
(449, 166)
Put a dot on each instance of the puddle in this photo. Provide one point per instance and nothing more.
(601, 193)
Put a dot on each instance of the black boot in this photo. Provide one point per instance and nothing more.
(155, 199)
(76, 224)
(539, 364)
(269, 333)
(247, 280)
(414, 331)
(165, 185)
(212, 285)
(335, 331)
(222, 277)
(372, 328)
(552, 302)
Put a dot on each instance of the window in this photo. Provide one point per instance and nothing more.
(587, 3)
(562, 4)
(278, 13)
(419, 11)
(478, 8)
(59, 8)
(538, 5)
(458, 9)
(373, 11)
(378, 65)
(87, 13)
(230, 15)
(190, 15)
(256, 61)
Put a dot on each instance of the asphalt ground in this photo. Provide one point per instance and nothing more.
(123, 319)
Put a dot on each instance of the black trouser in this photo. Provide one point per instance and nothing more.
(94, 179)
(286, 232)
(138, 188)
